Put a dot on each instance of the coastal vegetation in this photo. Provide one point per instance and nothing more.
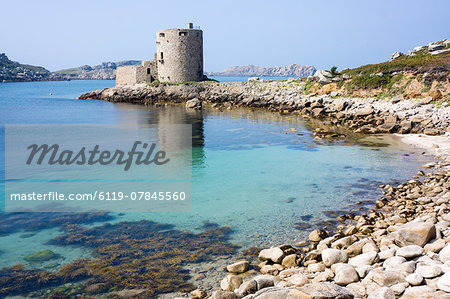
(422, 62)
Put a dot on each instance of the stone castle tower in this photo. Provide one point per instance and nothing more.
(178, 58)
(180, 54)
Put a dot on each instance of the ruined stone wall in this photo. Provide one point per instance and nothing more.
(179, 55)
(135, 74)
(151, 70)
(126, 75)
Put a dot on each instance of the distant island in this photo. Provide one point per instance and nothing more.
(12, 71)
(293, 70)
(104, 71)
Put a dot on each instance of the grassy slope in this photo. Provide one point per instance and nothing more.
(363, 77)
(420, 62)
(71, 71)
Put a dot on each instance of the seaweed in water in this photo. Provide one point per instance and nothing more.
(35, 221)
(127, 255)
(302, 225)
(333, 213)
(306, 217)
(251, 251)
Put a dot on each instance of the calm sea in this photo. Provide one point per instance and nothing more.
(251, 171)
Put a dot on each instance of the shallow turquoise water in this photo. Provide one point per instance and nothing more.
(250, 172)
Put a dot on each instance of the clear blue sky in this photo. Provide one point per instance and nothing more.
(59, 34)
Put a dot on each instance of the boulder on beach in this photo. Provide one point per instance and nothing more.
(317, 235)
(274, 254)
(333, 256)
(382, 293)
(231, 282)
(345, 274)
(194, 104)
(410, 251)
(322, 290)
(238, 267)
(414, 233)
(224, 295)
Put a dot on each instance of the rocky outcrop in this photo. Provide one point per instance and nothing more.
(12, 71)
(293, 70)
(433, 48)
(368, 115)
(396, 55)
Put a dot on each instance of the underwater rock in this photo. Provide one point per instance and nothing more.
(40, 256)
(96, 288)
(129, 293)
(197, 294)
(302, 225)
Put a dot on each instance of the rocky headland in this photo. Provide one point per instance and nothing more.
(398, 249)
(12, 71)
(365, 115)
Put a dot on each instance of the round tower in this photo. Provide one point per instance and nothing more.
(179, 54)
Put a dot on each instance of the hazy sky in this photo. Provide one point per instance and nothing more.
(59, 34)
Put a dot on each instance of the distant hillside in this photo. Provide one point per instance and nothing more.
(104, 71)
(293, 70)
(12, 71)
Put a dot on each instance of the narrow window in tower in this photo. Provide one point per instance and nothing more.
(162, 55)
(148, 71)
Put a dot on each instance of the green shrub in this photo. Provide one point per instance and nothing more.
(334, 71)
(368, 82)
(308, 85)
(155, 83)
